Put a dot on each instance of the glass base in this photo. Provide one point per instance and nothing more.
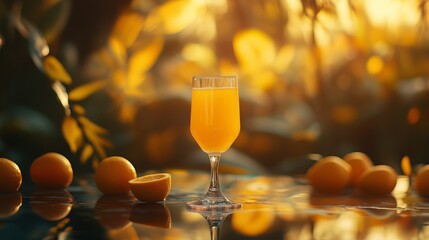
(212, 204)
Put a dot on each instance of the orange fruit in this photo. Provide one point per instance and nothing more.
(329, 175)
(152, 187)
(359, 162)
(52, 205)
(112, 175)
(10, 176)
(378, 180)
(51, 170)
(421, 181)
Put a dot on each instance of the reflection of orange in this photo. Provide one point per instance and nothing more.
(253, 219)
(379, 207)
(10, 203)
(52, 205)
(113, 211)
(51, 170)
(10, 176)
(152, 214)
(112, 175)
(327, 201)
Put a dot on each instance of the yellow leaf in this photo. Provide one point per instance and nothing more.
(263, 79)
(91, 126)
(200, 54)
(142, 60)
(284, 58)
(119, 78)
(254, 50)
(128, 27)
(98, 143)
(72, 133)
(84, 91)
(86, 153)
(92, 132)
(118, 49)
(406, 166)
(78, 109)
(55, 70)
(172, 17)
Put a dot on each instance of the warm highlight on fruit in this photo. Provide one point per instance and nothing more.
(421, 181)
(51, 170)
(359, 162)
(378, 180)
(112, 175)
(151, 188)
(329, 175)
(10, 176)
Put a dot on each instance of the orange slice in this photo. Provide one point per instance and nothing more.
(152, 187)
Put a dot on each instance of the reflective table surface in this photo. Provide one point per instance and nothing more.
(274, 207)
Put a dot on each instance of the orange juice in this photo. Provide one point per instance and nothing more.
(215, 118)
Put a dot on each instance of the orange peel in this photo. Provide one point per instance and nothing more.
(152, 187)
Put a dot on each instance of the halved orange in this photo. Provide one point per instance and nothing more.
(151, 188)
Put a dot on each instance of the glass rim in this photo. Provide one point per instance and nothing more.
(215, 82)
(215, 77)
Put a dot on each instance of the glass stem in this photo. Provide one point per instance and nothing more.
(214, 188)
(214, 232)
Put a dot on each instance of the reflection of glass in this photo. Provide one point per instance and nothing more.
(215, 124)
(215, 220)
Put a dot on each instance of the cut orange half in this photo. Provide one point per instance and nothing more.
(152, 187)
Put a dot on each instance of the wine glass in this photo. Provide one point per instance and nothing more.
(215, 124)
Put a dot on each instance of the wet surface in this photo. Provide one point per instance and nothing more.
(276, 207)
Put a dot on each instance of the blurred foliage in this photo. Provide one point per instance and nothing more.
(325, 76)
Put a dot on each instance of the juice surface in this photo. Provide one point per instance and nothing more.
(215, 118)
